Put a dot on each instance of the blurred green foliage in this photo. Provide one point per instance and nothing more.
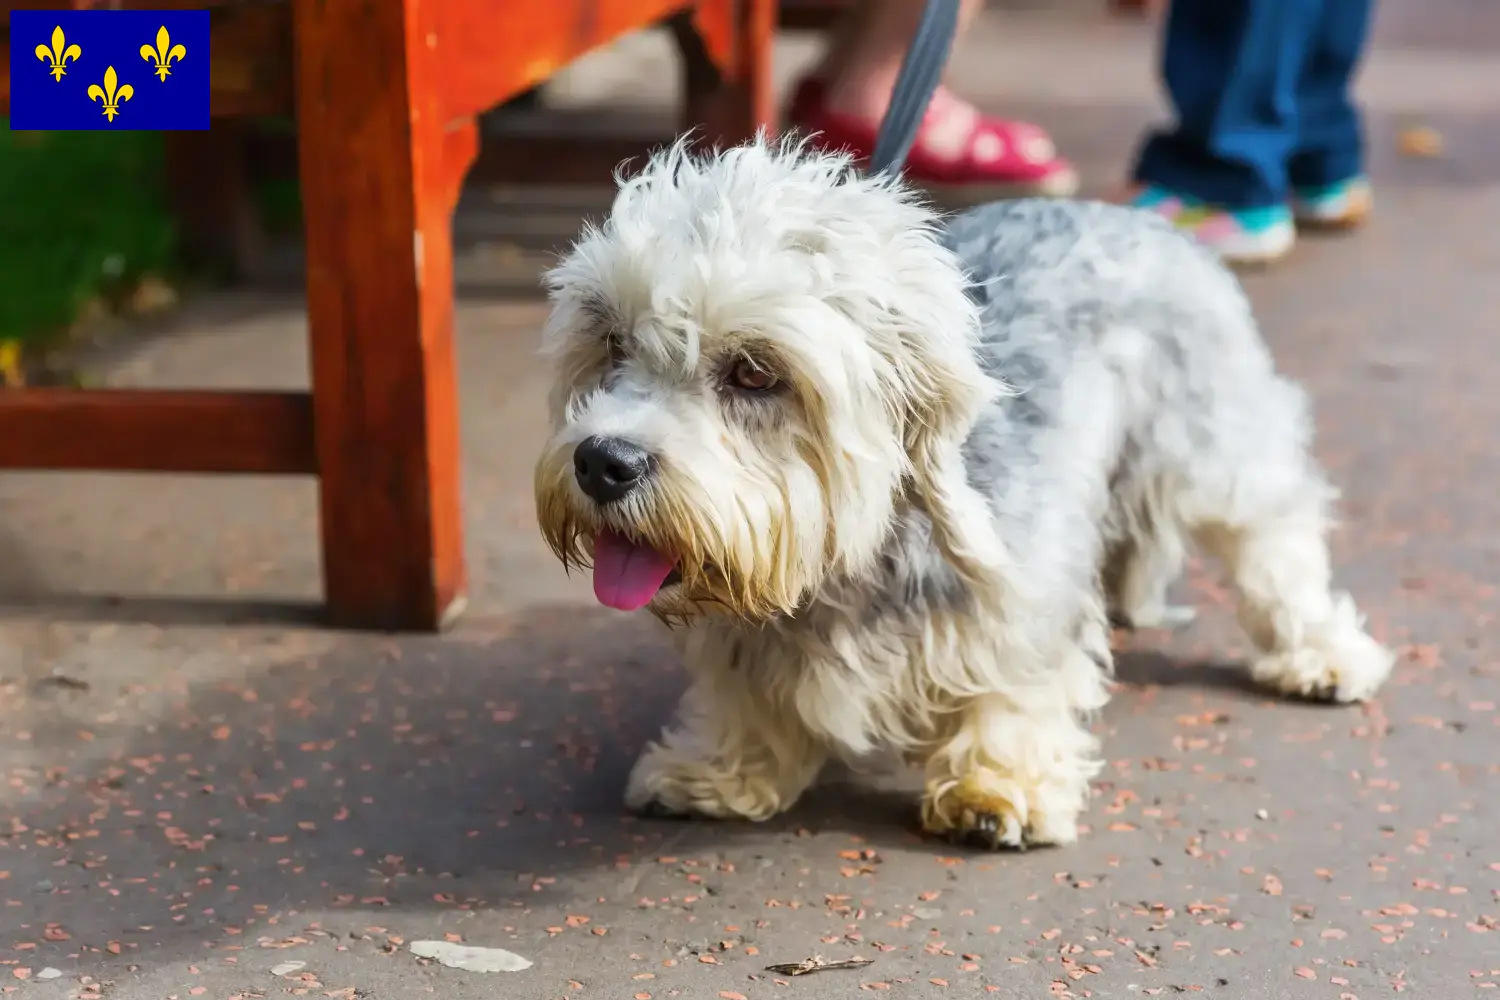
(82, 216)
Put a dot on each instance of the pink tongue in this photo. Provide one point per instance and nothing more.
(627, 575)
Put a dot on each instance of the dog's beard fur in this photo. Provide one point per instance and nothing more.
(720, 504)
(762, 497)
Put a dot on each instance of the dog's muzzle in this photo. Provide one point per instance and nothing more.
(628, 572)
(609, 469)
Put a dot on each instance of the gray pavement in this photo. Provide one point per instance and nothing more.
(198, 787)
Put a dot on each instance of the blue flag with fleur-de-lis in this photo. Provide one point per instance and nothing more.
(76, 70)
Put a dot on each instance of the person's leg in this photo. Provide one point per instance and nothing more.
(1231, 69)
(971, 155)
(1327, 168)
(842, 40)
(865, 52)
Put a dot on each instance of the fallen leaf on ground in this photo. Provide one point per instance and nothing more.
(1420, 140)
(10, 365)
(817, 964)
(470, 957)
(152, 295)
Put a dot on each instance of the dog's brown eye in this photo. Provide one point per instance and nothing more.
(751, 377)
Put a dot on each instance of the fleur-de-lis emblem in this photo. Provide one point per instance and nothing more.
(111, 94)
(164, 55)
(59, 55)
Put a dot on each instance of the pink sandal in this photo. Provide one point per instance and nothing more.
(959, 155)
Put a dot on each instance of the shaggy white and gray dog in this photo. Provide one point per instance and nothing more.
(892, 476)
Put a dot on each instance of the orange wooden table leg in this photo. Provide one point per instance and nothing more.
(380, 174)
(726, 48)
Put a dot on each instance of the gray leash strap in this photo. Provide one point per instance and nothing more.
(921, 71)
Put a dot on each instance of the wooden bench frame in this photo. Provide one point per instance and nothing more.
(385, 100)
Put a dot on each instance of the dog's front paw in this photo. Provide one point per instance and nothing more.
(665, 784)
(992, 811)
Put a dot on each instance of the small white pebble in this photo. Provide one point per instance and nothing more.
(1262, 814)
(286, 968)
(49, 973)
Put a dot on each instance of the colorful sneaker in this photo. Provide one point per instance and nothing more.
(1238, 236)
(960, 154)
(1334, 206)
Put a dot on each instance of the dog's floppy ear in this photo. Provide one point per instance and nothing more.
(944, 392)
(910, 295)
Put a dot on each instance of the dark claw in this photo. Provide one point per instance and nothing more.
(655, 810)
(984, 834)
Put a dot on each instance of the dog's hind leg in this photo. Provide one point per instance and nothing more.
(1146, 553)
(731, 754)
(1014, 769)
(1311, 640)
(1137, 577)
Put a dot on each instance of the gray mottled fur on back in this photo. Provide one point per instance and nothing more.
(1058, 281)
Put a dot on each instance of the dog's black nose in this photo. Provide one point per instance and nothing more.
(609, 468)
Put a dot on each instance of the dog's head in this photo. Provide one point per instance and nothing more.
(760, 357)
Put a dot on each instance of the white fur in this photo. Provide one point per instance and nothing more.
(985, 436)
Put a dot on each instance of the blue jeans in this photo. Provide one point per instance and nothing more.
(1261, 90)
